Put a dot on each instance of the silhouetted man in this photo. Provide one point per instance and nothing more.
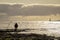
(16, 26)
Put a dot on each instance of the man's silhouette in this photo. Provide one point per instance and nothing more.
(16, 26)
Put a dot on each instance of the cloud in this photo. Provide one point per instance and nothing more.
(4, 8)
(3, 14)
(16, 9)
(40, 10)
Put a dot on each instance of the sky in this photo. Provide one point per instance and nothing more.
(31, 1)
(39, 8)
